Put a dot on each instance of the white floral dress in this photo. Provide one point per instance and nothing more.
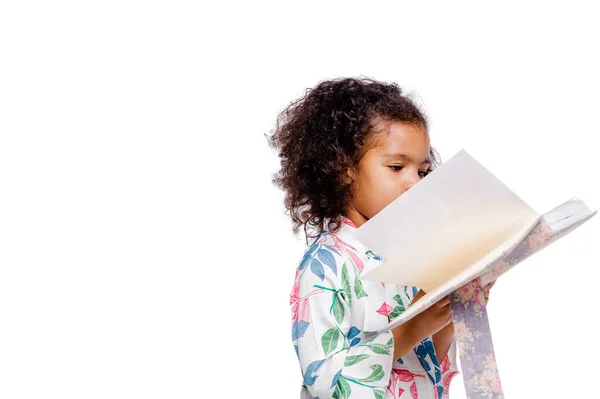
(334, 318)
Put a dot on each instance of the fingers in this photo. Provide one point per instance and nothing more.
(486, 289)
(448, 319)
(486, 294)
(443, 302)
(419, 295)
(446, 315)
(439, 315)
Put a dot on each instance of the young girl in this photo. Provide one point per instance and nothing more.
(348, 148)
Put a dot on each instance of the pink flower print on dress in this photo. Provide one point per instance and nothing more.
(447, 375)
(445, 364)
(349, 222)
(385, 309)
(401, 375)
(357, 261)
(413, 391)
(406, 375)
(348, 250)
(300, 305)
(304, 312)
(322, 240)
(392, 386)
(294, 301)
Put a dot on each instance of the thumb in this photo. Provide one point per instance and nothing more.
(443, 302)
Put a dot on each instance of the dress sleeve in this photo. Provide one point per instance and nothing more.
(449, 367)
(337, 359)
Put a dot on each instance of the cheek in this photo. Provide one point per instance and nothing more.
(378, 192)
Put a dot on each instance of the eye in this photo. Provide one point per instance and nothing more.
(397, 168)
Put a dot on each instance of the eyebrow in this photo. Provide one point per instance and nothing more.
(399, 155)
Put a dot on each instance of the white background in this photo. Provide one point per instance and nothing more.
(144, 252)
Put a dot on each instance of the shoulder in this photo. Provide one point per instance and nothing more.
(324, 252)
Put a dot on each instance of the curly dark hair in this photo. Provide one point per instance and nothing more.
(326, 132)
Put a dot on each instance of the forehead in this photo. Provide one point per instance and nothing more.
(402, 137)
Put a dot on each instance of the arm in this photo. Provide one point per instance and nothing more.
(442, 341)
(406, 337)
(337, 360)
(435, 321)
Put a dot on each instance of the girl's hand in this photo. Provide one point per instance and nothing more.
(485, 296)
(427, 323)
(408, 335)
(432, 319)
(485, 293)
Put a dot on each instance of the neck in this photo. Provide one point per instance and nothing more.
(355, 216)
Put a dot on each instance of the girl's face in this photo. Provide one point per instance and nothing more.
(397, 160)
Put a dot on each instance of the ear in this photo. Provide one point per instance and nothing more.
(350, 176)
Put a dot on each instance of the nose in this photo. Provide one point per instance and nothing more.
(411, 181)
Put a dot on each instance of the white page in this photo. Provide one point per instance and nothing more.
(562, 219)
(456, 215)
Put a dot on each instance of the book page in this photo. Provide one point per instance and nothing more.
(453, 217)
(462, 262)
(560, 221)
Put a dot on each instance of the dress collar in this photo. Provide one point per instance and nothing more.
(348, 222)
(347, 233)
(346, 230)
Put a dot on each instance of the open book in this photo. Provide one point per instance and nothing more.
(458, 224)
